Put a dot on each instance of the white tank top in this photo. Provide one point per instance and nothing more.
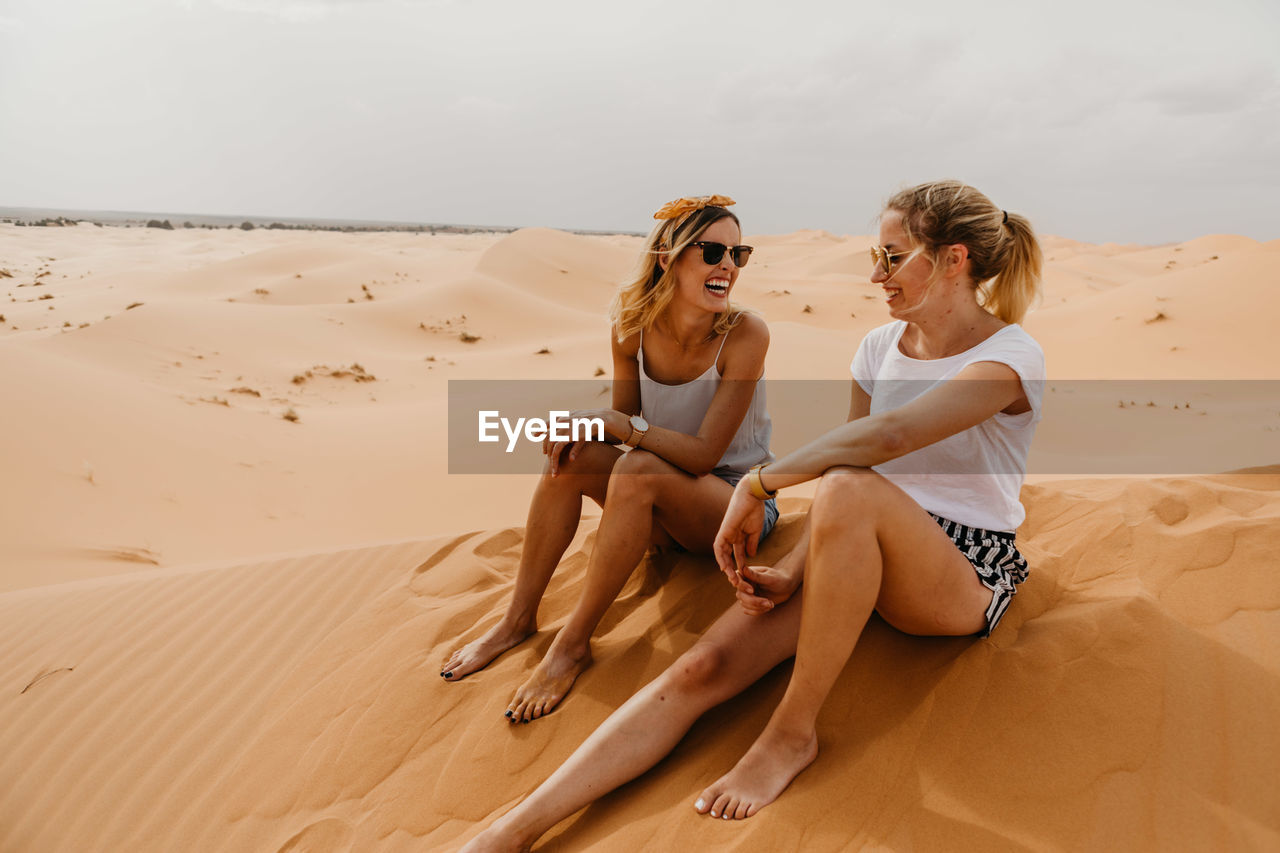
(682, 408)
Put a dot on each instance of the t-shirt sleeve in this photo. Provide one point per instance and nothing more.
(869, 357)
(1020, 352)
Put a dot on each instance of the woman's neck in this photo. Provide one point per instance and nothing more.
(687, 329)
(954, 327)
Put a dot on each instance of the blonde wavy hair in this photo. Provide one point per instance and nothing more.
(648, 290)
(1005, 260)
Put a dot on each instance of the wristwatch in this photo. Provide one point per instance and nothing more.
(639, 426)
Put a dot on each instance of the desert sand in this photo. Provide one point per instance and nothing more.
(232, 557)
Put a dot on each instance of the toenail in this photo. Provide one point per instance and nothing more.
(726, 815)
(713, 813)
(699, 805)
(447, 674)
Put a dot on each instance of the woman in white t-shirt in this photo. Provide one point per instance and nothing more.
(914, 515)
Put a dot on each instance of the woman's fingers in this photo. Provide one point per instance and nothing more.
(754, 604)
(557, 452)
(723, 553)
(728, 557)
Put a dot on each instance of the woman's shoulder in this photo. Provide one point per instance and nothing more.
(628, 346)
(874, 348)
(1012, 345)
(750, 329)
(881, 338)
(749, 337)
(745, 347)
(1012, 337)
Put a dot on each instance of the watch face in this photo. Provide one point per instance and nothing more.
(639, 423)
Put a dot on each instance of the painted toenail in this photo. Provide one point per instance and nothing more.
(713, 813)
(699, 805)
(508, 715)
(726, 815)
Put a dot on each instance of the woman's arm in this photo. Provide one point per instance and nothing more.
(626, 375)
(977, 393)
(859, 402)
(761, 588)
(626, 402)
(743, 360)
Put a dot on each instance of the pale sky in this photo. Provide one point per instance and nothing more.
(1102, 121)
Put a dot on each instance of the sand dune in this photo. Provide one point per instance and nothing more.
(1128, 699)
(219, 628)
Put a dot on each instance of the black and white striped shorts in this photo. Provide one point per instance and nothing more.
(995, 558)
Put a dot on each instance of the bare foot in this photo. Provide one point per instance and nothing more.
(494, 840)
(759, 776)
(548, 684)
(478, 653)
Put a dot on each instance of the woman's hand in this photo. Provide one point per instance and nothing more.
(739, 534)
(765, 587)
(616, 425)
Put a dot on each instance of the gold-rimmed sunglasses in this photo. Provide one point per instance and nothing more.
(880, 256)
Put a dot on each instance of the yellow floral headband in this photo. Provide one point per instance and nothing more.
(681, 206)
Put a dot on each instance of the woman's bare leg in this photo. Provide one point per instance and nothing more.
(734, 653)
(553, 519)
(871, 547)
(643, 488)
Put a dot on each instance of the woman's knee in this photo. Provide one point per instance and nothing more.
(697, 670)
(638, 471)
(845, 494)
(591, 458)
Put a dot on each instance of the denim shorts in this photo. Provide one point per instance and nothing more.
(770, 506)
(995, 558)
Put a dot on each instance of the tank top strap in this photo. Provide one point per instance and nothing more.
(723, 338)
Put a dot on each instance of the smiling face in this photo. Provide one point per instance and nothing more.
(705, 285)
(907, 287)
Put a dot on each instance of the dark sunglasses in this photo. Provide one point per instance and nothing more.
(713, 253)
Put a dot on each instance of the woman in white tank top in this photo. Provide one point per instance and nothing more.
(688, 400)
(958, 273)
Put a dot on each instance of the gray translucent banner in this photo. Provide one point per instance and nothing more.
(1087, 427)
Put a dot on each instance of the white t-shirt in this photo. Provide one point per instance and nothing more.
(974, 476)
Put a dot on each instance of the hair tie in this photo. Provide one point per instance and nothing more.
(681, 206)
(1006, 217)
